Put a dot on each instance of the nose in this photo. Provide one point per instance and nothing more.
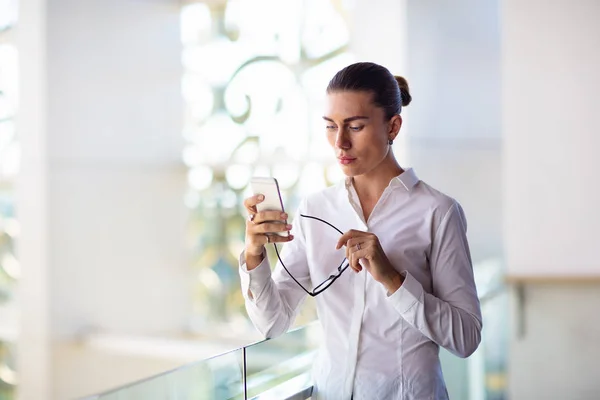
(341, 139)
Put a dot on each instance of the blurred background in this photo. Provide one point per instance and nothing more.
(129, 130)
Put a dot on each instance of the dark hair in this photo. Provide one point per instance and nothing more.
(389, 92)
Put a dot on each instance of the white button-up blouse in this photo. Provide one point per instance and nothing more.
(376, 345)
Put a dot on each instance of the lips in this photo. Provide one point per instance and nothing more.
(346, 160)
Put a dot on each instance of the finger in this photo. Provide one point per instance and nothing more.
(270, 216)
(356, 256)
(350, 258)
(347, 236)
(277, 239)
(348, 255)
(355, 241)
(251, 202)
(362, 242)
(348, 246)
(354, 262)
(271, 227)
(355, 244)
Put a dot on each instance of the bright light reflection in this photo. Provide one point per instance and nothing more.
(278, 109)
(265, 83)
(228, 199)
(192, 155)
(217, 137)
(8, 13)
(11, 227)
(292, 126)
(11, 266)
(7, 134)
(8, 375)
(238, 176)
(215, 61)
(262, 170)
(257, 21)
(286, 174)
(210, 280)
(320, 149)
(326, 29)
(196, 90)
(200, 177)
(11, 158)
(312, 179)
(316, 79)
(236, 246)
(195, 22)
(9, 77)
(334, 173)
(6, 110)
(247, 153)
(268, 26)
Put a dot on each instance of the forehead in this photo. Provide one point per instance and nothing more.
(344, 104)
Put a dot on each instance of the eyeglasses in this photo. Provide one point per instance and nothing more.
(320, 288)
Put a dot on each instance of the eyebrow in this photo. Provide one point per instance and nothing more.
(347, 119)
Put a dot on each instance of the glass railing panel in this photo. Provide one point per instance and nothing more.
(220, 377)
(216, 378)
(456, 374)
(152, 389)
(482, 376)
(280, 367)
(494, 344)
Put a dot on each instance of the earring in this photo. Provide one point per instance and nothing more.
(391, 142)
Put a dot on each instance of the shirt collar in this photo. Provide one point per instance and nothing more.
(408, 179)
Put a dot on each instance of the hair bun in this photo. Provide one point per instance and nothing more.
(404, 90)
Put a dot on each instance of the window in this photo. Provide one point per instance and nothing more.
(255, 73)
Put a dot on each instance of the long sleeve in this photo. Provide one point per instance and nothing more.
(273, 299)
(451, 315)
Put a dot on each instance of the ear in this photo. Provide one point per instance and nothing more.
(394, 126)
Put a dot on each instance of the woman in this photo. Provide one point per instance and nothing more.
(412, 287)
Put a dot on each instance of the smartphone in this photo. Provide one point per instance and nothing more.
(269, 188)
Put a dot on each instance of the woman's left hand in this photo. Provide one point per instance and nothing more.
(365, 246)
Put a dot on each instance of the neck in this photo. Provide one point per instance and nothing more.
(370, 186)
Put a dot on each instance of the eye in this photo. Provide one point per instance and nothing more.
(356, 128)
(330, 127)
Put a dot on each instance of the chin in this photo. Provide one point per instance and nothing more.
(351, 172)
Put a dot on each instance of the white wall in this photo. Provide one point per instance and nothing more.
(551, 64)
(551, 84)
(554, 354)
(101, 201)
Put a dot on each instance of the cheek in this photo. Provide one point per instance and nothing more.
(373, 149)
(372, 142)
(331, 138)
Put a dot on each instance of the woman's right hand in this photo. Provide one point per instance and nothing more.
(260, 229)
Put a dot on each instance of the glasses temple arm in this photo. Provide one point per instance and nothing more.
(322, 220)
(289, 273)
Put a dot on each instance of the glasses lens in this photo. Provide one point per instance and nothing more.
(326, 283)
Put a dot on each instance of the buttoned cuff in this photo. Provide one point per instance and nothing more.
(408, 295)
(254, 281)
